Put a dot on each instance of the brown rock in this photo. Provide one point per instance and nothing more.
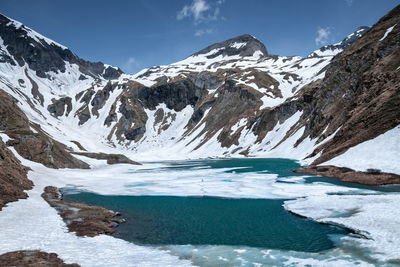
(38, 147)
(372, 177)
(13, 177)
(360, 93)
(33, 258)
(82, 219)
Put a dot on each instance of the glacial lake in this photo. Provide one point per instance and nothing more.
(207, 220)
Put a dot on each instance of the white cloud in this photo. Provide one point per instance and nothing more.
(201, 32)
(323, 35)
(349, 2)
(131, 65)
(200, 11)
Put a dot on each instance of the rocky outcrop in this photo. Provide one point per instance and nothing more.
(60, 107)
(43, 55)
(33, 258)
(30, 141)
(101, 97)
(176, 95)
(233, 103)
(111, 158)
(131, 123)
(371, 177)
(82, 219)
(40, 148)
(13, 177)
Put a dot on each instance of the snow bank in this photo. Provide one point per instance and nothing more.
(382, 152)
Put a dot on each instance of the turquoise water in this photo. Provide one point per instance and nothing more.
(161, 220)
(172, 220)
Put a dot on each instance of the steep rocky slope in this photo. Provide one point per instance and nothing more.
(232, 98)
(13, 178)
(359, 97)
(30, 141)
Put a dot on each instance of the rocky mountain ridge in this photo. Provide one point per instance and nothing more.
(346, 42)
(25, 46)
(229, 99)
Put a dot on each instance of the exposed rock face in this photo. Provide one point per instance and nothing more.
(33, 258)
(60, 106)
(360, 94)
(101, 97)
(175, 95)
(44, 56)
(131, 123)
(36, 146)
(373, 177)
(244, 45)
(13, 177)
(206, 80)
(82, 219)
(40, 148)
(234, 102)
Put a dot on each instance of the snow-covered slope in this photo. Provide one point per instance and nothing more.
(229, 99)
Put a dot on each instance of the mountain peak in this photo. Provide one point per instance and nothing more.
(21, 45)
(243, 45)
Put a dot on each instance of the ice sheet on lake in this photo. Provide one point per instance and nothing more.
(375, 216)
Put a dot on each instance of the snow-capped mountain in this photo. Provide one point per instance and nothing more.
(229, 99)
(331, 50)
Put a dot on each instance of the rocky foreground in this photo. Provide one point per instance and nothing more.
(82, 219)
(34, 258)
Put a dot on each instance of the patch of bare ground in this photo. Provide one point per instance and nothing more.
(82, 219)
(372, 177)
(13, 177)
(32, 258)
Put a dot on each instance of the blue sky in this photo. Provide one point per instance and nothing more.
(137, 34)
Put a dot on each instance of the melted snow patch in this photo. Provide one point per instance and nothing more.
(237, 45)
